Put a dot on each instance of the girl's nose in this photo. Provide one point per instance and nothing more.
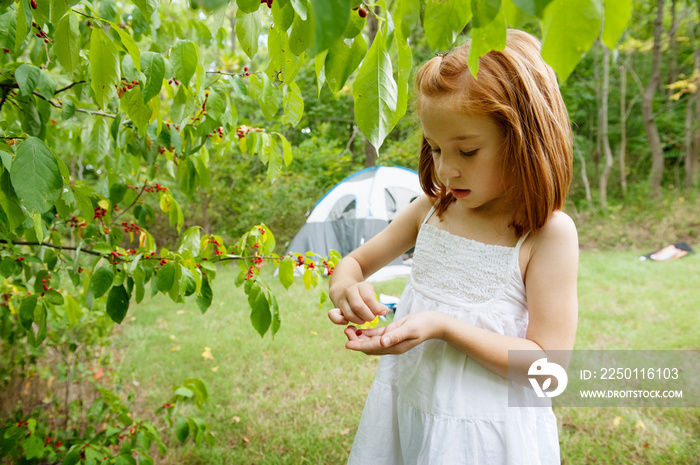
(445, 168)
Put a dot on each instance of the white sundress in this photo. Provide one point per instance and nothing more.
(433, 405)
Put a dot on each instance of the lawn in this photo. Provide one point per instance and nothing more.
(297, 399)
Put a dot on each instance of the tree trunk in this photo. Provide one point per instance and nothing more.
(692, 123)
(603, 125)
(672, 54)
(657, 154)
(599, 135)
(623, 128)
(584, 176)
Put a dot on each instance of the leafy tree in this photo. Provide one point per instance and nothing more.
(112, 117)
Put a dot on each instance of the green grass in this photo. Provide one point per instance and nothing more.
(298, 398)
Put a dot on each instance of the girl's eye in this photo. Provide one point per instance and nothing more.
(471, 153)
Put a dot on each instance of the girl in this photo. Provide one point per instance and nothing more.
(494, 269)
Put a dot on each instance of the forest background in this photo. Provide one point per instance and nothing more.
(110, 194)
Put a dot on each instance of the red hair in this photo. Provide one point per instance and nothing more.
(520, 92)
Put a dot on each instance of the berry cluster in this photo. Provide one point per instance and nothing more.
(243, 130)
(20, 259)
(219, 131)
(40, 32)
(174, 79)
(269, 3)
(99, 212)
(126, 85)
(329, 267)
(157, 188)
(245, 71)
(129, 228)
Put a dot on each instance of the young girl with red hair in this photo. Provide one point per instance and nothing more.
(494, 269)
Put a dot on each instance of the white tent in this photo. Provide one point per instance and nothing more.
(356, 209)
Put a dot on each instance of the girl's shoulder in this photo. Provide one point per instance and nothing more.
(559, 226)
(552, 247)
(419, 209)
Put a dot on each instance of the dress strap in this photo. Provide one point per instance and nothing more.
(430, 213)
(521, 240)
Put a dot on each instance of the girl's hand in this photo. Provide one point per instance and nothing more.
(357, 305)
(399, 336)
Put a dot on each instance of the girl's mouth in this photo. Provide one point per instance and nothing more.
(460, 193)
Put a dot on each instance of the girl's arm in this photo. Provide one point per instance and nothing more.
(550, 282)
(353, 297)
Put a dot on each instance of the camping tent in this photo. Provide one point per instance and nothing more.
(356, 209)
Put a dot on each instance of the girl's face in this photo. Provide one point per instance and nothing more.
(467, 152)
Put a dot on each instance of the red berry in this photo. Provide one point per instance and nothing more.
(34, 5)
(358, 332)
(245, 68)
(362, 12)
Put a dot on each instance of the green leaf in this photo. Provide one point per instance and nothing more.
(58, 9)
(301, 7)
(153, 67)
(532, 7)
(8, 28)
(275, 311)
(188, 284)
(407, 15)
(101, 281)
(443, 21)
(184, 58)
(166, 277)
(98, 144)
(54, 297)
(46, 86)
(484, 11)
(24, 22)
(490, 37)
(260, 315)
(27, 77)
(205, 296)
(302, 35)
(515, 17)
(331, 18)
(375, 93)
(10, 203)
(248, 6)
(191, 241)
(617, 14)
(26, 310)
(569, 28)
(73, 310)
(139, 112)
(248, 28)
(342, 60)
(33, 447)
(286, 150)
(286, 272)
(182, 429)
(269, 98)
(117, 303)
(38, 227)
(117, 191)
(104, 66)
(147, 7)
(129, 44)
(404, 65)
(36, 176)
